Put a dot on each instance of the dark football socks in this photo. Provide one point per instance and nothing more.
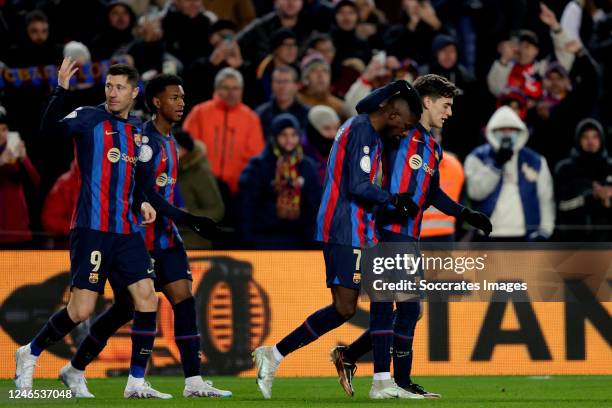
(316, 325)
(403, 329)
(143, 335)
(381, 332)
(55, 329)
(187, 337)
(100, 331)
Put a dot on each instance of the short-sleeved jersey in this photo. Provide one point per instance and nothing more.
(352, 186)
(158, 169)
(107, 149)
(412, 166)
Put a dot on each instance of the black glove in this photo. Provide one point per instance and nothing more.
(204, 226)
(477, 220)
(404, 204)
(505, 151)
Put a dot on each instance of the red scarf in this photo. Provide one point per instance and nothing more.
(288, 184)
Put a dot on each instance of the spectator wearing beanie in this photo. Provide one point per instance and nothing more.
(347, 44)
(567, 98)
(284, 100)
(117, 33)
(283, 52)
(280, 192)
(344, 73)
(516, 100)
(583, 187)
(316, 82)
(197, 187)
(82, 93)
(323, 124)
(465, 119)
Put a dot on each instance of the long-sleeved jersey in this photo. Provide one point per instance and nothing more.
(413, 168)
(157, 170)
(107, 149)
(351, 191)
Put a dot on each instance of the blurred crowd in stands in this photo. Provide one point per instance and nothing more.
(269, 82)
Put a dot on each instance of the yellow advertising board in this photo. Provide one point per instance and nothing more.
(249, 298)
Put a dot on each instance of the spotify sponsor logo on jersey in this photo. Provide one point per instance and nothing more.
(114, 155)
(416, 162)
(163, 180)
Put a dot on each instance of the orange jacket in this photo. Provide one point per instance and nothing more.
(232, 137)
(436, 223)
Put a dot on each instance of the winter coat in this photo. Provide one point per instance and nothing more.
(517, 197)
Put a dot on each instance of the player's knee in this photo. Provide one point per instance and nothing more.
(149, 301)
(346, 310)
(80, 313)
(145, 298)
(180, 297)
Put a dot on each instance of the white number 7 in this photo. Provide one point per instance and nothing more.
(358, 260)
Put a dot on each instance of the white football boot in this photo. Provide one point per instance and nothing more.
(75, 380)
(266, 365)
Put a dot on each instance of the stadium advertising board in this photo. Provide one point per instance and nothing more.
(248, 298)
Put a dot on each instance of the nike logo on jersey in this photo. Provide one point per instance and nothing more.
(416, 139)
(107, 133)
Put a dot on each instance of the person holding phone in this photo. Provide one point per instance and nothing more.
(15, 170)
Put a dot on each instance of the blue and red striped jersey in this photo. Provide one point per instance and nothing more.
(352, 186)
(158, 162)
(412, 167)
(107, 149)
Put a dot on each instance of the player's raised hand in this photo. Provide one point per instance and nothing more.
(66, 71)
(148, 213)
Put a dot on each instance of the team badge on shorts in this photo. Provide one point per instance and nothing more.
(356, 277)
(93, 277)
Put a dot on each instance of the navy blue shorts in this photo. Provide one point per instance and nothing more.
(342, 266)
(170, 265)
(96, 256)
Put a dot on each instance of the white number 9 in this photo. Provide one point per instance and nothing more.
(96, 260)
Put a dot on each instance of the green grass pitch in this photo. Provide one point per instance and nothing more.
(506, 391)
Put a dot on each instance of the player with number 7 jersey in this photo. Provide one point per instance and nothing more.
(345, 222)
